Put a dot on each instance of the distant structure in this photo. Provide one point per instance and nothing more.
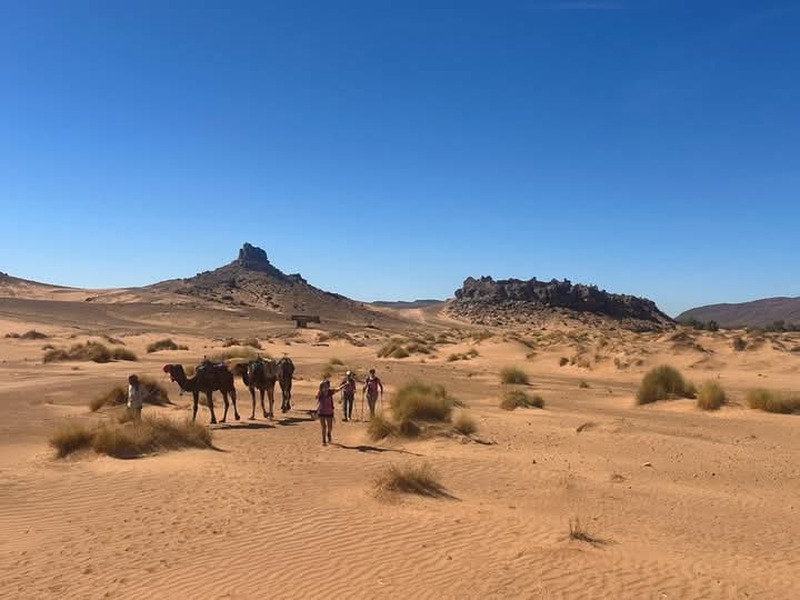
(302, 321)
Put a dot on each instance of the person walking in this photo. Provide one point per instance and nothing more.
(325, 409)
(372, 385)
(348, 388)
(136, 395)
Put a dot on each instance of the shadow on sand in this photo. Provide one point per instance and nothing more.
(243, 425)
(376, 449)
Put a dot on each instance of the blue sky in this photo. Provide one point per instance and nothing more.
(388, 150)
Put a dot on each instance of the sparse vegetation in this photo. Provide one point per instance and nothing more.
(251, 342)
(421, 479)
(739, 344)
(380, 427)
(514, 375)
(468, 355)
(239, 353)
(519, 399)
(663, 383)
(129, 440)
(403, 348)
(584, 385)
(165, 344)
(465, 424)
(90, 351)
(710, 396)
(155, 394)
(563, 361)
(774, 402)
(28, 335)
(422, 401)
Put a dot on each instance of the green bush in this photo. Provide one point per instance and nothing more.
(710, 396)
(514, 375)
(423, 401)
(663, 383)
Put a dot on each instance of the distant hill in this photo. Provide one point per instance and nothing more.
(252, 281)
(489, 302)
(758, 313)
(404, 304)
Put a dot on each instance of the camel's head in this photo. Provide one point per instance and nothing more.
(171, 370)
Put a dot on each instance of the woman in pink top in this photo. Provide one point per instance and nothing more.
(325, 409)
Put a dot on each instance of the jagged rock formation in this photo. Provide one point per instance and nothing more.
(489, 302)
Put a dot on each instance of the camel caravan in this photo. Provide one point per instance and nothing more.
(260, 374)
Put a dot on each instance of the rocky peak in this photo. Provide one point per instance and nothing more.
(253, 258)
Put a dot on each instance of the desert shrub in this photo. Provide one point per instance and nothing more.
(583, 385)
(251, 342)
(514, 375)
(34, 335)
(465, 424)
(155, 394)
(403, 348)
(774, 402)
(380, 427)
(410, 479)
(423, 401)
(710, 396)
(519, 399)
(91, 351)
(407, 428)
(70, 438)
(239, 353)
(469, 354)
(337, 362)
(663, 383)
(739, 344)
(48, 347)
(128, 440)
(579, 532)
(12, 335)
(563, 361)
(165, 344)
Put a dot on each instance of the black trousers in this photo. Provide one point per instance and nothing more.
(348, 400)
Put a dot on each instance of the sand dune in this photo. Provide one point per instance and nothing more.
(681, 503)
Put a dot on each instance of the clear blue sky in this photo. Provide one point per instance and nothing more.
(388, 150)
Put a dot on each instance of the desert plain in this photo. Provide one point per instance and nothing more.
(672, 501)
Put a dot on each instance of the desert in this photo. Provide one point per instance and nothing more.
(588, 495)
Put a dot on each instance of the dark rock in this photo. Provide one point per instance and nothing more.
(253, 257)
(491, 302)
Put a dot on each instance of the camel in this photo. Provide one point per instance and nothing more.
(207, 378)
(285, 374)
(262, 374)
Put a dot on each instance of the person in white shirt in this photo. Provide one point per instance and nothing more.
(136, 395)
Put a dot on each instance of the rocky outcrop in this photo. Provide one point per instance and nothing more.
(488, 302)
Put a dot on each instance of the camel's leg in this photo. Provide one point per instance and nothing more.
(226, 403)
(210, 400)
(271, 395)
(233, 399)
(253, 396)
(263, 409)
(195, 400)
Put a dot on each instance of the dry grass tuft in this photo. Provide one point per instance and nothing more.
(710, 396)
(584, 385)
(239, 353)
(421, 479)
(519, 399)
(380, 428)
(774, 402)
(422, 401)
(90, 351)
(165, 344)
(129, 440)
(465, 424)
(578, 532)
(514, 375)
(663, 383)
(156, 394)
